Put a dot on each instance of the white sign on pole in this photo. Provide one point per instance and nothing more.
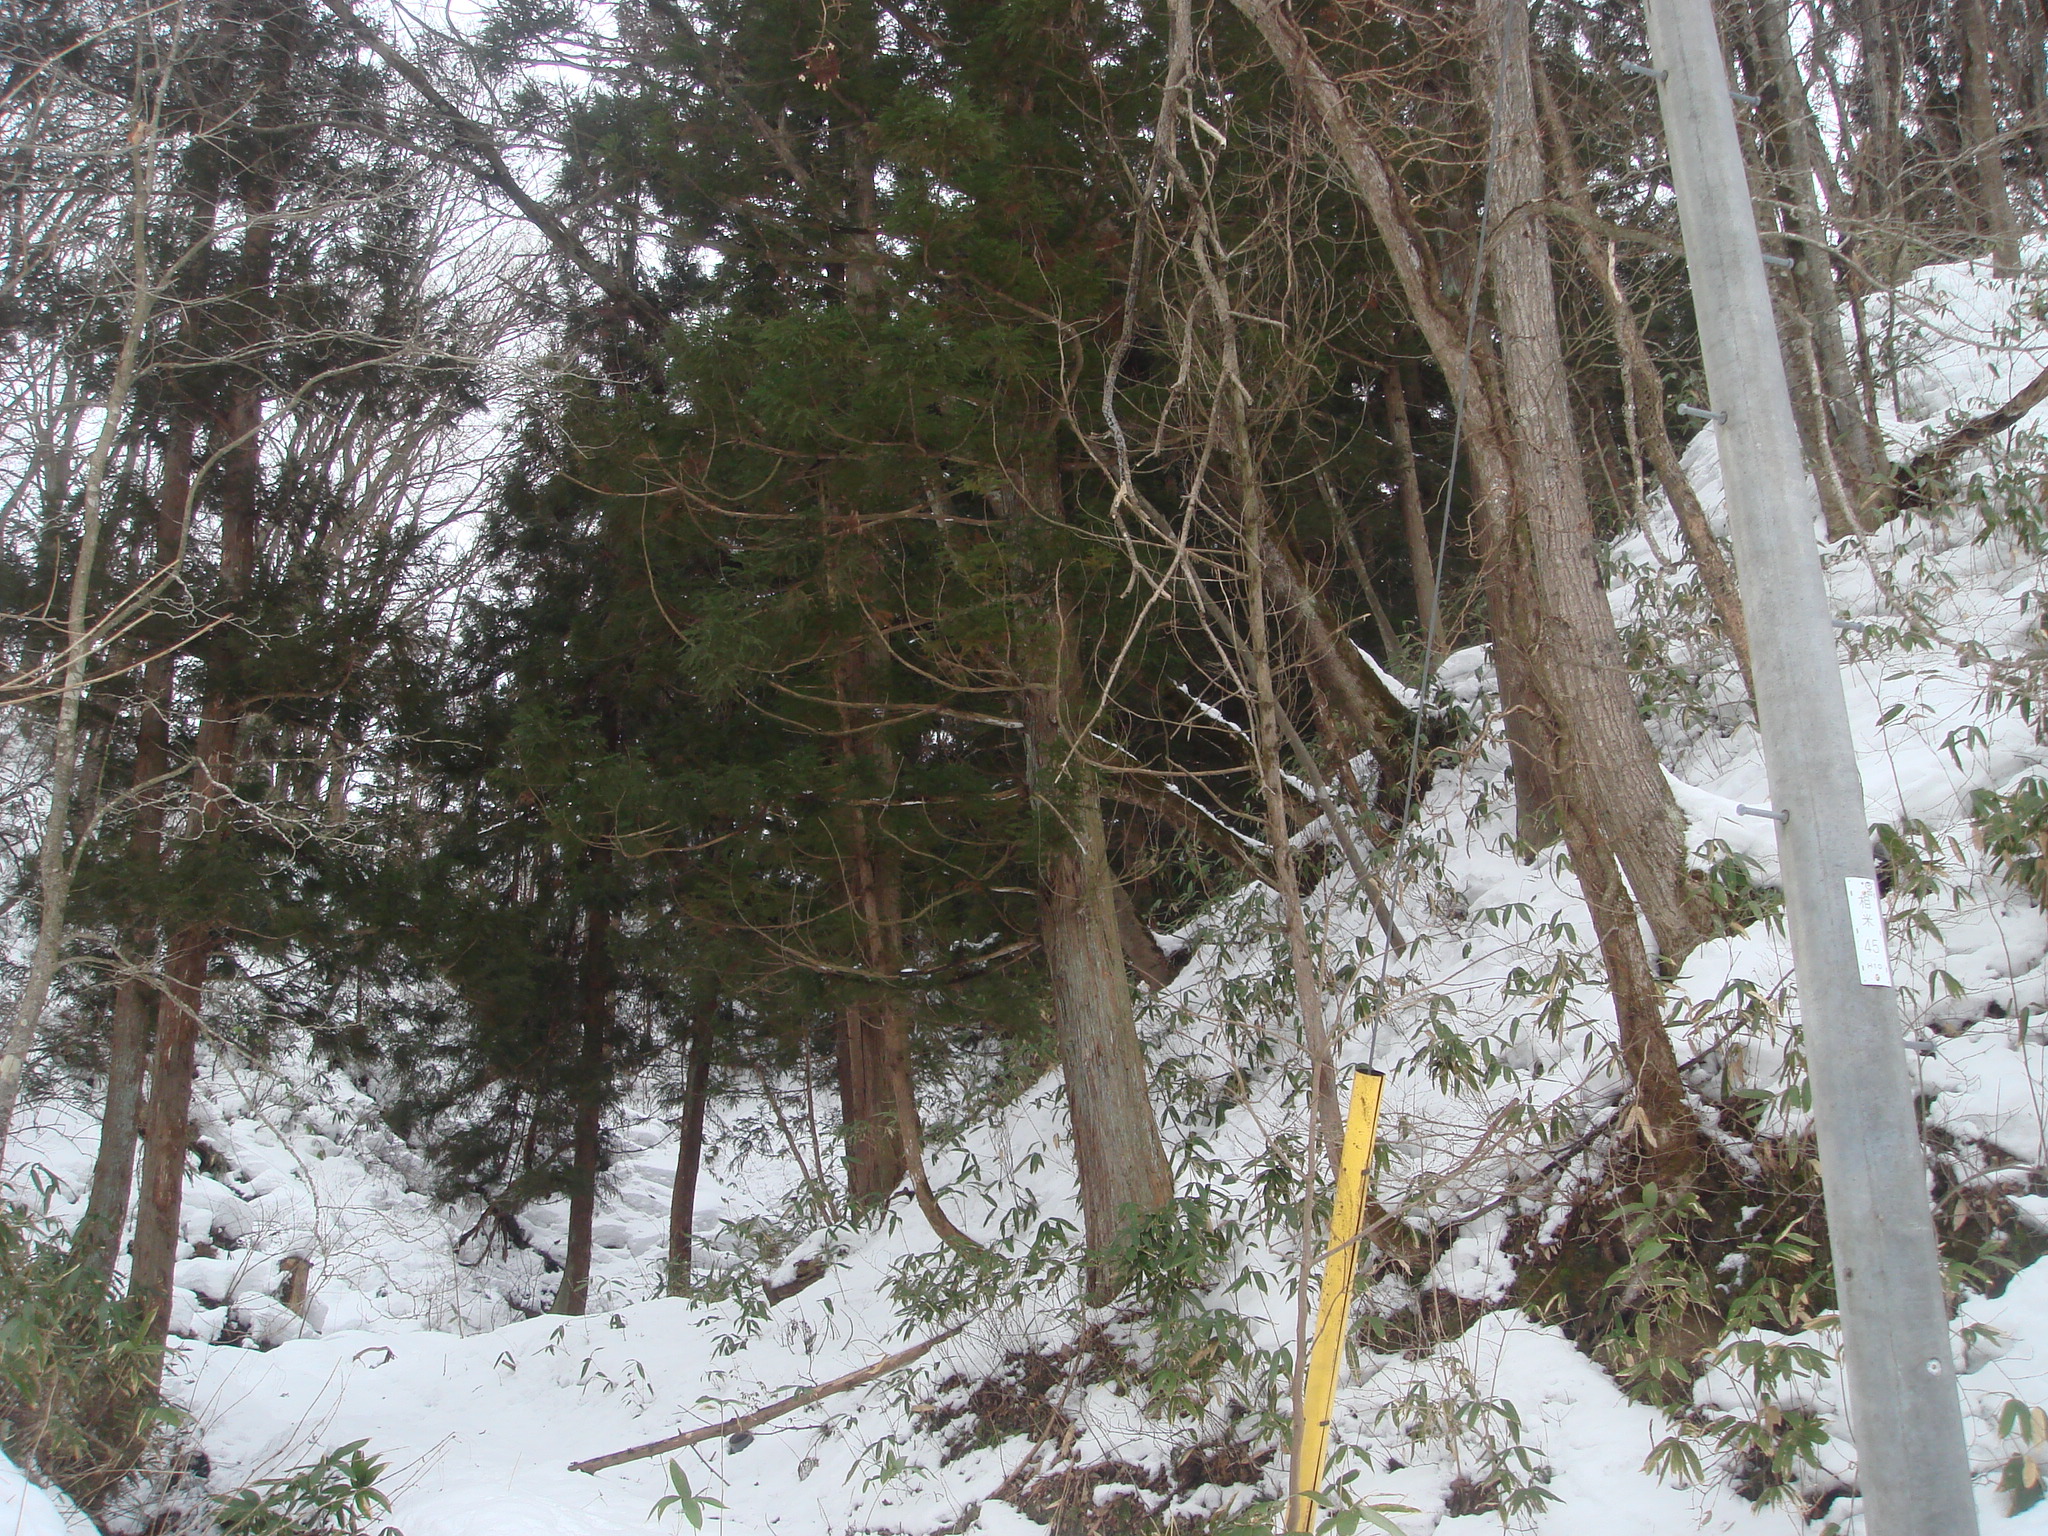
(1866, 924)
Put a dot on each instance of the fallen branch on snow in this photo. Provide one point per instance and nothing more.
(1932, 461)
(872, 1371)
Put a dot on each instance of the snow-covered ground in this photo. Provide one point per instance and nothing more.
(1498, 1044)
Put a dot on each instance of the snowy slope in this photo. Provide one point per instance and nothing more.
(1498, 1043)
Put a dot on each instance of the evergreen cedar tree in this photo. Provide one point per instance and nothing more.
(821, 691)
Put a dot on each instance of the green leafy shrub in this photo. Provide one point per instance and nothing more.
(687, 1503)
(334, 1496)
(2012, 829)
(78, 1371)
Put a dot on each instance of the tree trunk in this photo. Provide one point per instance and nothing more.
(1995, 221)
(1669, 1146)
(168, 1118)
(1470, 368)
(1881, 243)
(1792, 144)
(53, 861)
(874, 1160)
(1119, 1157)
(1421, 557)
(1364, 708)
(682, 1200)
(895, 1133)
(244, 331)
(871, 878)
(1525, 722)
(1148, 962)
(910, 1131)
(1383, 621)
(595, 982)
(2029, 63)
(167, 1127)
(1327, 1120)
(97, 1240)
(1647, 401)
(1606, 763)
(1787, 100)
(1117, 1150)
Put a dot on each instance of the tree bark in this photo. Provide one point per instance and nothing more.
(1983, 142)
(1647, 399)
(1470, 368)
(237, 429)
(874, 1164)
(1881, 244)
(97, 1240)
(1118, 1154)
(871, 882)
(1148, 962)
(2029, 67)
(682, 1200)
(1934, 459)
(595, 982)
(1117, 1150)
(1605, 761)
(1328, 1118)
(1669, 1146)
(1354, 551)
(910, 1132)
(167, 1127)
(1363, 706)
(168, 1119)
(745, 1423)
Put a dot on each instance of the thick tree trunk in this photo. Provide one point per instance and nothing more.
(872, 884)
(1605, 760)
(1525, 721)
(1121, 1161)
(874, 1159)
(1668, 1144)
(167, 1127)
(97, 1240)
(595, 983)
(682, 1200)
(1470, 368)
(1646, 394)
(168, 1119)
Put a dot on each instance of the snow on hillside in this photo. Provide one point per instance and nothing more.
(1497, 1040)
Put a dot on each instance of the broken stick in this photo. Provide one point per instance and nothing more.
(746, 1421)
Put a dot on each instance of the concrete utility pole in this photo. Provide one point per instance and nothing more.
(1913, 1468)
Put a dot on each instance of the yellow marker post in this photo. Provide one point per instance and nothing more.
(1333, 1304)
